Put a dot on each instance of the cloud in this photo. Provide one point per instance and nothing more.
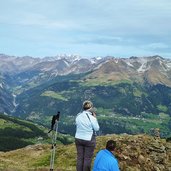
(128, 17)
(90, 27)
(157, 46)
(99, 39)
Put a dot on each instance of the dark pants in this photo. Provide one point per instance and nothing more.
(85, 150)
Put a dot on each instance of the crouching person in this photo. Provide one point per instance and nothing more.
(105, 159)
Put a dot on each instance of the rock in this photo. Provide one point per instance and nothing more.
(158, 158)
(157, 147)
(141, 159)
(156, 168)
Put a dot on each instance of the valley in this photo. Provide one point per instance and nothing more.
(131, 95)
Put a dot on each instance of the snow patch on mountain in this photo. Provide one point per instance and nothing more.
(129, 64)
(142, 68)
(143, 62)
(66, 62)
(116, 61)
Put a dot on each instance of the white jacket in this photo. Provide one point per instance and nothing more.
(85, 126)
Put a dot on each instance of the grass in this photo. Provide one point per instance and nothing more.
(4, 124)
(16, 133)
(137, 125)
(103, 82)
(162, 108)
(102, 111)
(137, 93)
(37, 157)
(54, 95)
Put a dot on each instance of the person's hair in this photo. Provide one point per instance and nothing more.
(110, 145)
(87, 105)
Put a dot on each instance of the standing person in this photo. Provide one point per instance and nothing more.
(105, 160)
(86, 125)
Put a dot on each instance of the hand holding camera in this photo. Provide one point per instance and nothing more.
(94, 114)
(93, 111)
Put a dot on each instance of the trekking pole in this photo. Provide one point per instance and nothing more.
(54, 129)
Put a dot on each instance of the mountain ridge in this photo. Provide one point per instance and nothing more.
(137, 87)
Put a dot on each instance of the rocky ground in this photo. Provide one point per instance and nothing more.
(143, 153)
(134, 153)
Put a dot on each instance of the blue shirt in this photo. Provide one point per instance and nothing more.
(85, 125)
(105, 161)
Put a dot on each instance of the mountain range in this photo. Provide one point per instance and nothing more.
(131, 94)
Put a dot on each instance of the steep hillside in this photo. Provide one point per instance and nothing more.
(153, 70)
(131, 94)
(7, 104)
(134, 153)
(129, 107)
(16, 133)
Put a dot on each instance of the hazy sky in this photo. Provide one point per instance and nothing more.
(120, 28)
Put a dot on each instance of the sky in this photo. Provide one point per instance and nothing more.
(89, 28)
